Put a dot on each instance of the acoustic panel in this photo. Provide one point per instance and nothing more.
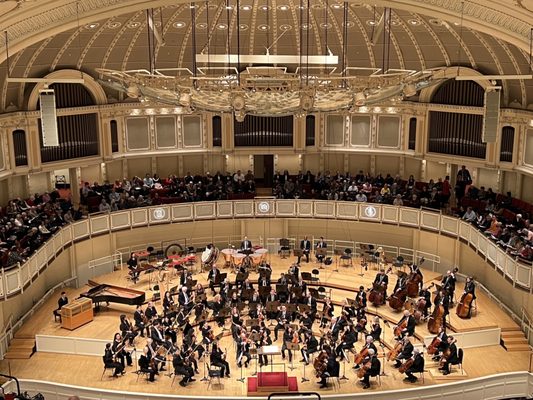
(47, 99)
(491, 116)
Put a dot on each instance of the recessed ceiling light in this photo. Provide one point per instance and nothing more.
(193, 6)
(222, 27)
(113, 24)
(92, 25)
(436, 22)
(457, 23)
(264, 8)
(246, 8)
(263, 27)
(371, 22)
(134, 24)
(336, 6)
(179, 24)
(414, 22)
(283, 7)
(394, 22)
(229, 7)
(201, 25)
(285, 27)
(306, 27)
(349, 24)
(243, 27)
(324, 25)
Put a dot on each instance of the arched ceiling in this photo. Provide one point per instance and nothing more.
(45, 36)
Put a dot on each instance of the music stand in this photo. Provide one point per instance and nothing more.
(303, 308)
(292, 346)
(321, 255)
(225, 312)
(337, 253)
(247, 294)
(271, 307)
(298, 253)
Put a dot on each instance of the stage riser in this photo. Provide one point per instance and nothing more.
(469, 340)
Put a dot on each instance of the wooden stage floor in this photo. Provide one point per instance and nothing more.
(87, 370)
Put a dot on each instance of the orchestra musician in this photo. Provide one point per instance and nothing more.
(321, 245)
(409, 322)
(168, 302)
(406, 353)
(448, 284)
(246, 245)
(310, 346)
(415, 269)
(382, 279)
(443, 299)
(212, 278)
(416, 366)
(110, 362)
(288, 336)
(62, 301)
(375, 329)
(374, 369)
(443, 343)
(264, 340)
(127, 330)
(185, 300)
(243, 350)
(327, 312)
(145, 365)
(470, 287)
(426, 295)
(332, 368)
(218, 358)
(217, 306)
(369, 345)
(283, 318)
(348, 339)
(305, 246)
(155, 360)
(182, 367)
(156, 333)
(119, 351)
(360, 297)
(133, 263)
(151, 311)
(452, 356)
(140, 318)
(400, 283)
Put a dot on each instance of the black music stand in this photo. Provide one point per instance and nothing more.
(337, 253)
(271, 307)
(224, 313)
(298, 253)
(321, 255)
(303, 308)
(247, 294)
(292, 347)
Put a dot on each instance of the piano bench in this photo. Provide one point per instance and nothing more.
(57, 316)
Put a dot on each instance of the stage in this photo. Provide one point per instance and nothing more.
(62, 354)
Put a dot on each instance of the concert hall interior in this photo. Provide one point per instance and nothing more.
(233, 198)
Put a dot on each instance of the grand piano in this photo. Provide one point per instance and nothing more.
(104, 293)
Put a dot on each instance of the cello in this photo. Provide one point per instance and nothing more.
(364, 369)
(406, 365)
(395, 351)
(359, 357)
(434, 345)
(321, 363)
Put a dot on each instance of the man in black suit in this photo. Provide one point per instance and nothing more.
(144, 364)
(139, 318)
(453, 357)
(409, 329)
(416, 366)
(182, 367)
(374, 370)
(406, 353)
(212, 278)
(184, 299)
(470, 288)
(321, 245)
(310, 346)
(62, 301)
(305, 246)
(217, 358)
(246, 245)
(382, 279)
(448, 284)
(332, 369)
(368, 345)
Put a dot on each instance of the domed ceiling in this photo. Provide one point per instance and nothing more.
(119, 40)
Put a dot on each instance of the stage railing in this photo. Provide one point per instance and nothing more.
(14, 280)
(493, 387)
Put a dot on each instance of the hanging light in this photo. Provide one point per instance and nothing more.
(359, 99)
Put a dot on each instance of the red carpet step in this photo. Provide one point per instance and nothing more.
(269, 382)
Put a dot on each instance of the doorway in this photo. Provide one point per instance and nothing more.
(264, 169)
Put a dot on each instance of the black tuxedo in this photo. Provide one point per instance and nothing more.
(305, 246)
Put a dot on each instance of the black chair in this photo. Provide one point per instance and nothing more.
(156, 293)
(213, 372)
(284, 248)
(316, 273)
(399, 262)
(459, 362)
(328, 261)
(107, 367)
(346, 257)
(306, 276)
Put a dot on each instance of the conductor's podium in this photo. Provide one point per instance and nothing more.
(77, 313)
(270, 382)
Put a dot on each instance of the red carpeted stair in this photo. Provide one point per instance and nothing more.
(268, 382)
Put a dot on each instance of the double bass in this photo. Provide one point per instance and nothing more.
(413, 282)
(465, 305)
(397, 300)
(435, 320)
(377, 293)
(321, 363)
